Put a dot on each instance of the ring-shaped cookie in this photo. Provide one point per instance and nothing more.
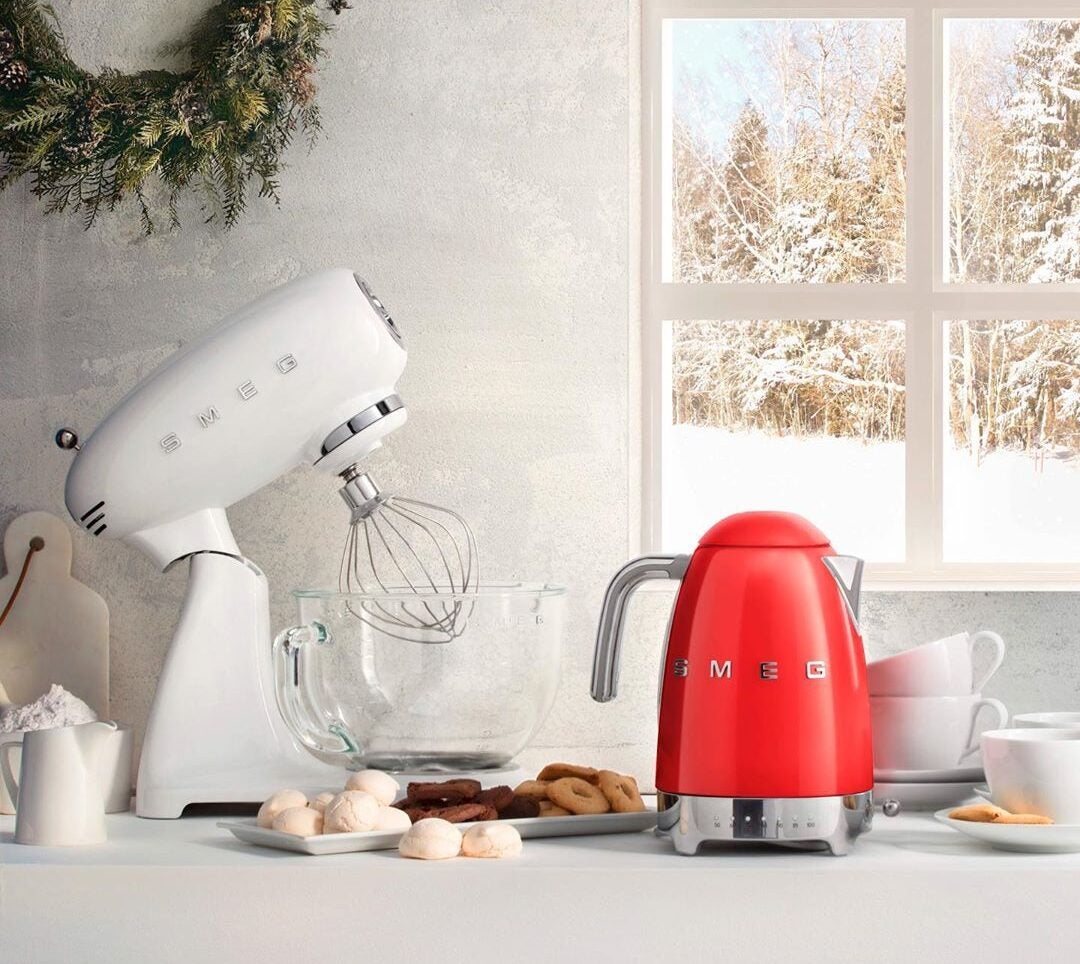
(621, 792)
(578, 796)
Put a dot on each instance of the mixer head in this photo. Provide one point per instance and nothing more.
(403, 546)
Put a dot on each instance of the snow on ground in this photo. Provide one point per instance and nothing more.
(1001, 510)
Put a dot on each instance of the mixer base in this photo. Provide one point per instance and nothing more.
(801, 823)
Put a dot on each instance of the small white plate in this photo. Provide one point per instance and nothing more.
(955, 775)
(1054, 838)
(347, 843)
(924, 796)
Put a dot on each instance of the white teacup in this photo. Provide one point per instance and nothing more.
(929, 732)
(1048, 721)
(1034, 771)
(944, 667)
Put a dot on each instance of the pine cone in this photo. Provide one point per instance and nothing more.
(81, 138)
(265, 24)
(7, 46)
(192, 107)
(14, 74)
(299, 79)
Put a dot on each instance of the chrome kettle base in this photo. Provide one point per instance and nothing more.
(802, 823)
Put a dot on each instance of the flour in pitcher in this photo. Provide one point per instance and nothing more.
(58, 707)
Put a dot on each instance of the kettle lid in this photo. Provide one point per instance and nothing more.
(774, 529)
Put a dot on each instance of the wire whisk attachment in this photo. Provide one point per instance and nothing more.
(404, 546)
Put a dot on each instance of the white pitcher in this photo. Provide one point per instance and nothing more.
(59, 795)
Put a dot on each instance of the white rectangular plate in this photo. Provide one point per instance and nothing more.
(347, 843)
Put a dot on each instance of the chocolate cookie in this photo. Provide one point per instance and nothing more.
(497, 797)
(448, 790)
(520, 807)
(464, 813)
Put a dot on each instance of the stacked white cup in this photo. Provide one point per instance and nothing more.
(928, 711)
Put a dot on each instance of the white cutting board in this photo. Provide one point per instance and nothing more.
(58, 630)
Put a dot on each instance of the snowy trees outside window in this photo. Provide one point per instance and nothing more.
(801, 416)
(788, 151)
(1013, 89)
(944, 443)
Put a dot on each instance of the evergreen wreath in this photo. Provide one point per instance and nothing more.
(88, 141)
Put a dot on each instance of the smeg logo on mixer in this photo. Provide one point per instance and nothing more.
(211, 415)
(768, 669)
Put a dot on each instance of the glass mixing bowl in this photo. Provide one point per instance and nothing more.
(413, 682)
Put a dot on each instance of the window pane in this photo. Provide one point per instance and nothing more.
(1011, 476)
(787, 150)
(800, 416)
(1013, 117)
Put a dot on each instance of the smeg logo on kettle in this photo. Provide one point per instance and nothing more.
(766, 670)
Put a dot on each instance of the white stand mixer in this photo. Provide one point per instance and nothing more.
(303, 376)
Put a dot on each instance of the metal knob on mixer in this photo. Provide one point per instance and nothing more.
(67, 439)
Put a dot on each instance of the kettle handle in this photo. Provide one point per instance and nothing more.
(605, 673)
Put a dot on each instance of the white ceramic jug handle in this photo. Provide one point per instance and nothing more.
(974, 737)
(7, 748)
(999, 655)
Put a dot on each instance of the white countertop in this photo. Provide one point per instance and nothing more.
(187, 891)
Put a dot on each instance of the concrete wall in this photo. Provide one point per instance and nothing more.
(479, 167)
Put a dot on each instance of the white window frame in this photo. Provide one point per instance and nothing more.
(924, 300)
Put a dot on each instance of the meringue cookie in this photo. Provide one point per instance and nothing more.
(299, 821)
(430, 839)
(276, 802)
(381, 786)
(320, 801)
(352, 811)
(390, 818)
(491, 840)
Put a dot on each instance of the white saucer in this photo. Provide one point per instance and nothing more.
(924, 796)
(1055, 838)
(973, 774)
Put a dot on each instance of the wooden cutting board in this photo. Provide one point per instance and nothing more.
(58, 629)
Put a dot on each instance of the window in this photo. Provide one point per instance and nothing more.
(861, 255)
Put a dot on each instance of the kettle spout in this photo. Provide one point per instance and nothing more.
(848, 573)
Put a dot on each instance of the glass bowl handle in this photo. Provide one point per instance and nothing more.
(293, 690)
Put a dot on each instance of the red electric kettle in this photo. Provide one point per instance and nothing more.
(764, 730)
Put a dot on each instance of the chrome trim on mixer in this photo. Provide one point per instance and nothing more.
(360, 493)
(362, 420)
(802, 823)
(380, 308)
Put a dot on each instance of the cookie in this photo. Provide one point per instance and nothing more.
(463, 813)
(520, 807)
(532, 790)
(621, 792)
(978, 813)
(559, 771)
(548, 809)
(452, 791)
(498, 797)
(578, 796)
(491, 840)
(1034, 818)
(430, 840)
